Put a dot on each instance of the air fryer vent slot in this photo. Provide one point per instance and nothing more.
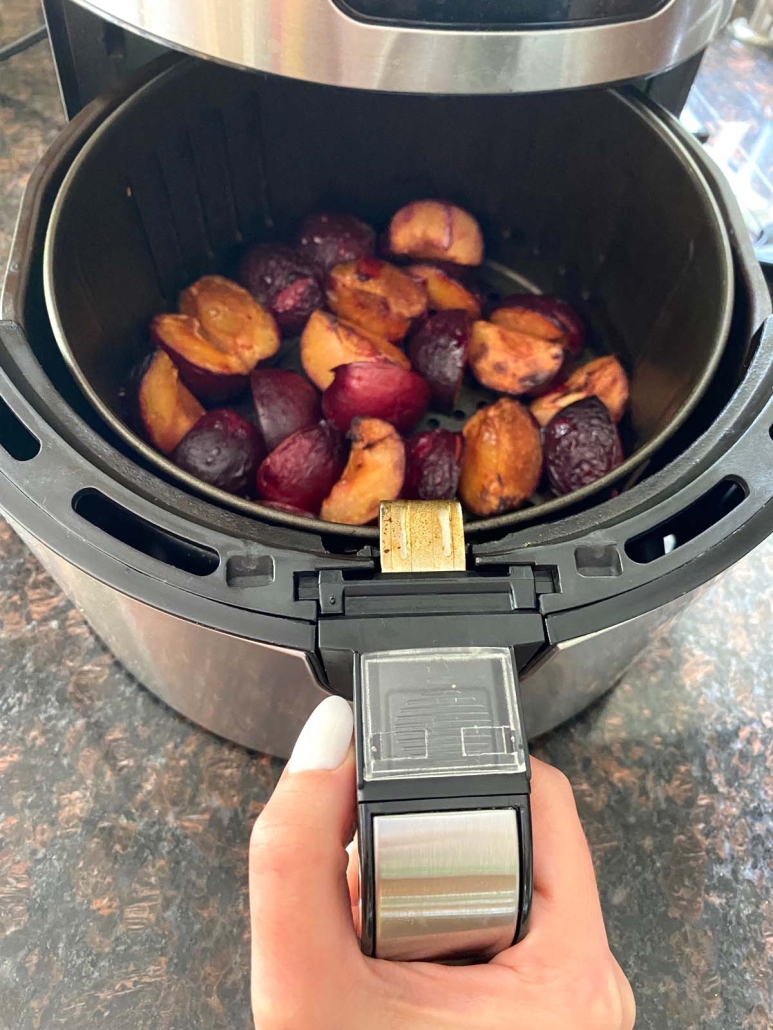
(15, 437)
(689, 523)
(144, 536)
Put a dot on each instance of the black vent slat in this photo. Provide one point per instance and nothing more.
(148, 190)
(242, 123)
(185, 203)
(207, 139)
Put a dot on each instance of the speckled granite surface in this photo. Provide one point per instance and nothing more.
(123, 828)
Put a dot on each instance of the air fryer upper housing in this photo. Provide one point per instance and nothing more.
(433, 46)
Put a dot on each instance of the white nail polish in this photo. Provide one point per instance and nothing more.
(324, 740)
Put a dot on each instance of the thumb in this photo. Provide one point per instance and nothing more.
(299, 900)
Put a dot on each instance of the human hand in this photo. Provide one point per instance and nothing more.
(308, 972)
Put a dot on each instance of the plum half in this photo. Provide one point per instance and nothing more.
(330, 237)
(167, 409)
(581, 445)
(518, 312)
(438, 351)
(603, 377)
(231, 319)
(436, 230)
(432, 465)
(328, 342)
(222, 449)
(376, 296)
(520, 319)
(512, 362)
(210, 372)
(284, 282)
(374, 473)
(447, 288)
(376, 389)
(502, 458)
(284, 402)
(303, 468)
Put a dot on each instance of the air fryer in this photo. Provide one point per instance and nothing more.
(243, 618)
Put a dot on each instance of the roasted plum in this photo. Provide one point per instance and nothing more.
(167, 409)
(222, 449)
(231, 319)
(512, 362)
(603, 377)
(285, 283)
(438, 351)
(432, 465)
(501, 460)
(447, 287)
(375, 389)
(284, 403)
(376, 296)
(436, 230)
(519, 319)
(328, 342)
(210, 373)
(303, 468)
(332, 237)
(374, 473)
(513, 309)
(581, 445)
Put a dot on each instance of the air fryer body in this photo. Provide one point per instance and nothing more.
(243, 626)
(260, 695)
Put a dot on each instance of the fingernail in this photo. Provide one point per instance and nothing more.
(324, 740)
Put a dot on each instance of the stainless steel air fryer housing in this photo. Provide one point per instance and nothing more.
(421, 46)
(219, 613)
(244, 625)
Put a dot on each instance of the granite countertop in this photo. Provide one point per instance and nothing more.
(123, 828)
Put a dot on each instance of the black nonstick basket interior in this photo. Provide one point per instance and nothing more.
(590, 196)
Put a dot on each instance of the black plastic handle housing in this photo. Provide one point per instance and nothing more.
(411, 789)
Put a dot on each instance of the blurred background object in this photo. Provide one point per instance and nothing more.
(755, 28)
(731, 108)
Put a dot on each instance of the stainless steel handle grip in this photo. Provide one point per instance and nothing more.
(447, 884)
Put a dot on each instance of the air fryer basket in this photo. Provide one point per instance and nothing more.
(587, 195)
